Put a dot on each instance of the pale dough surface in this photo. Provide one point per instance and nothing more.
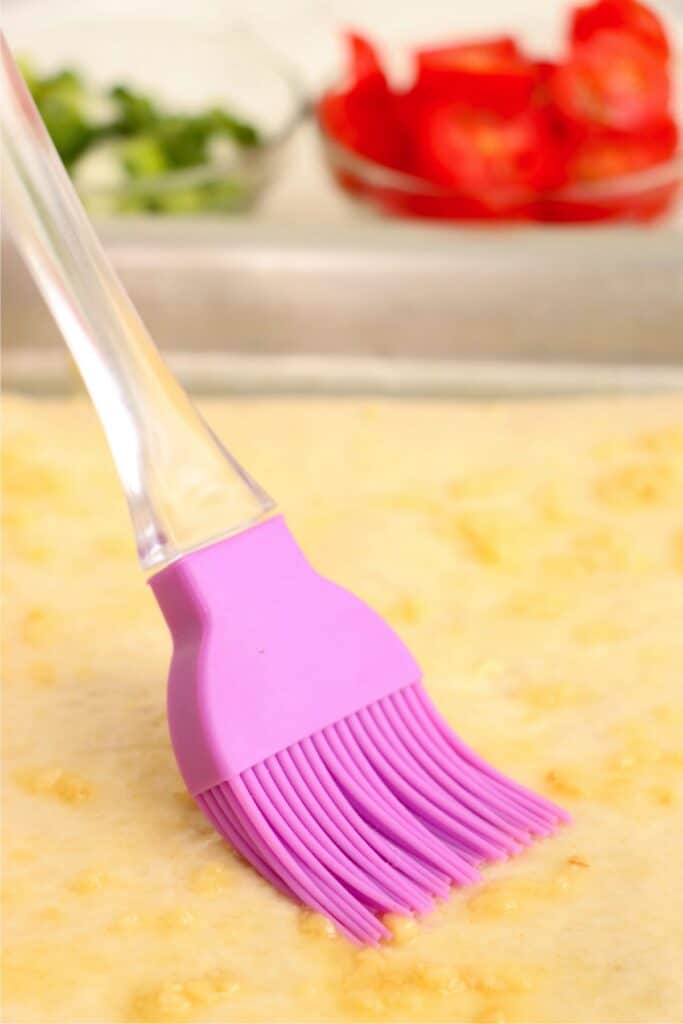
(532, 557)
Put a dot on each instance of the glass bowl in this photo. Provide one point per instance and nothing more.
(225, 184)
(641, 197)
(187, 63)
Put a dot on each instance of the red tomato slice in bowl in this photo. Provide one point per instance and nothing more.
(604, 155)
(484, 152)
(368, 128)
(477, 53)
(364, 65)
(363, 115)
(490, 73)
(622, 16)
(612, 81)
(545, 75)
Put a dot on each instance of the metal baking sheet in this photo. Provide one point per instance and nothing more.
(373, 306)
(39, 372)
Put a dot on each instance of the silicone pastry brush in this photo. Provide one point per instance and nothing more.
(297, 716)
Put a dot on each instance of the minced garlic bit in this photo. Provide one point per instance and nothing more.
(212, 879)
(56, 783)
(185, 1000)
(640, 484)
(92, 880)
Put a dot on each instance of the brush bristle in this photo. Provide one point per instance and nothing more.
(379, 812)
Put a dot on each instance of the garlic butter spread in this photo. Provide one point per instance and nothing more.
(532, 557)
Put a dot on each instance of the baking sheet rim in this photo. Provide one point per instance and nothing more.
(222, 373)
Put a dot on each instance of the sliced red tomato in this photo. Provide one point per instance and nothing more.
(368, 127)
(603, 155)
(501, 134)
(613, 81)
(545, 74)
(362, 116)
(488, 73)
(364, 65)
(472, 55)
(600, 157)
(623, 16)
(483, 152)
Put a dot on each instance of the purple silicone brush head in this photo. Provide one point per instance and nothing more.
(303, 731)
(297, 716)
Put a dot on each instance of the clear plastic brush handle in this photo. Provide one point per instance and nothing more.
(183, 488)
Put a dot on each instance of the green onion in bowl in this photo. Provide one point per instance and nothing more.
(128, 154)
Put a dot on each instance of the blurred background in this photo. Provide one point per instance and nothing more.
(294, 209)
